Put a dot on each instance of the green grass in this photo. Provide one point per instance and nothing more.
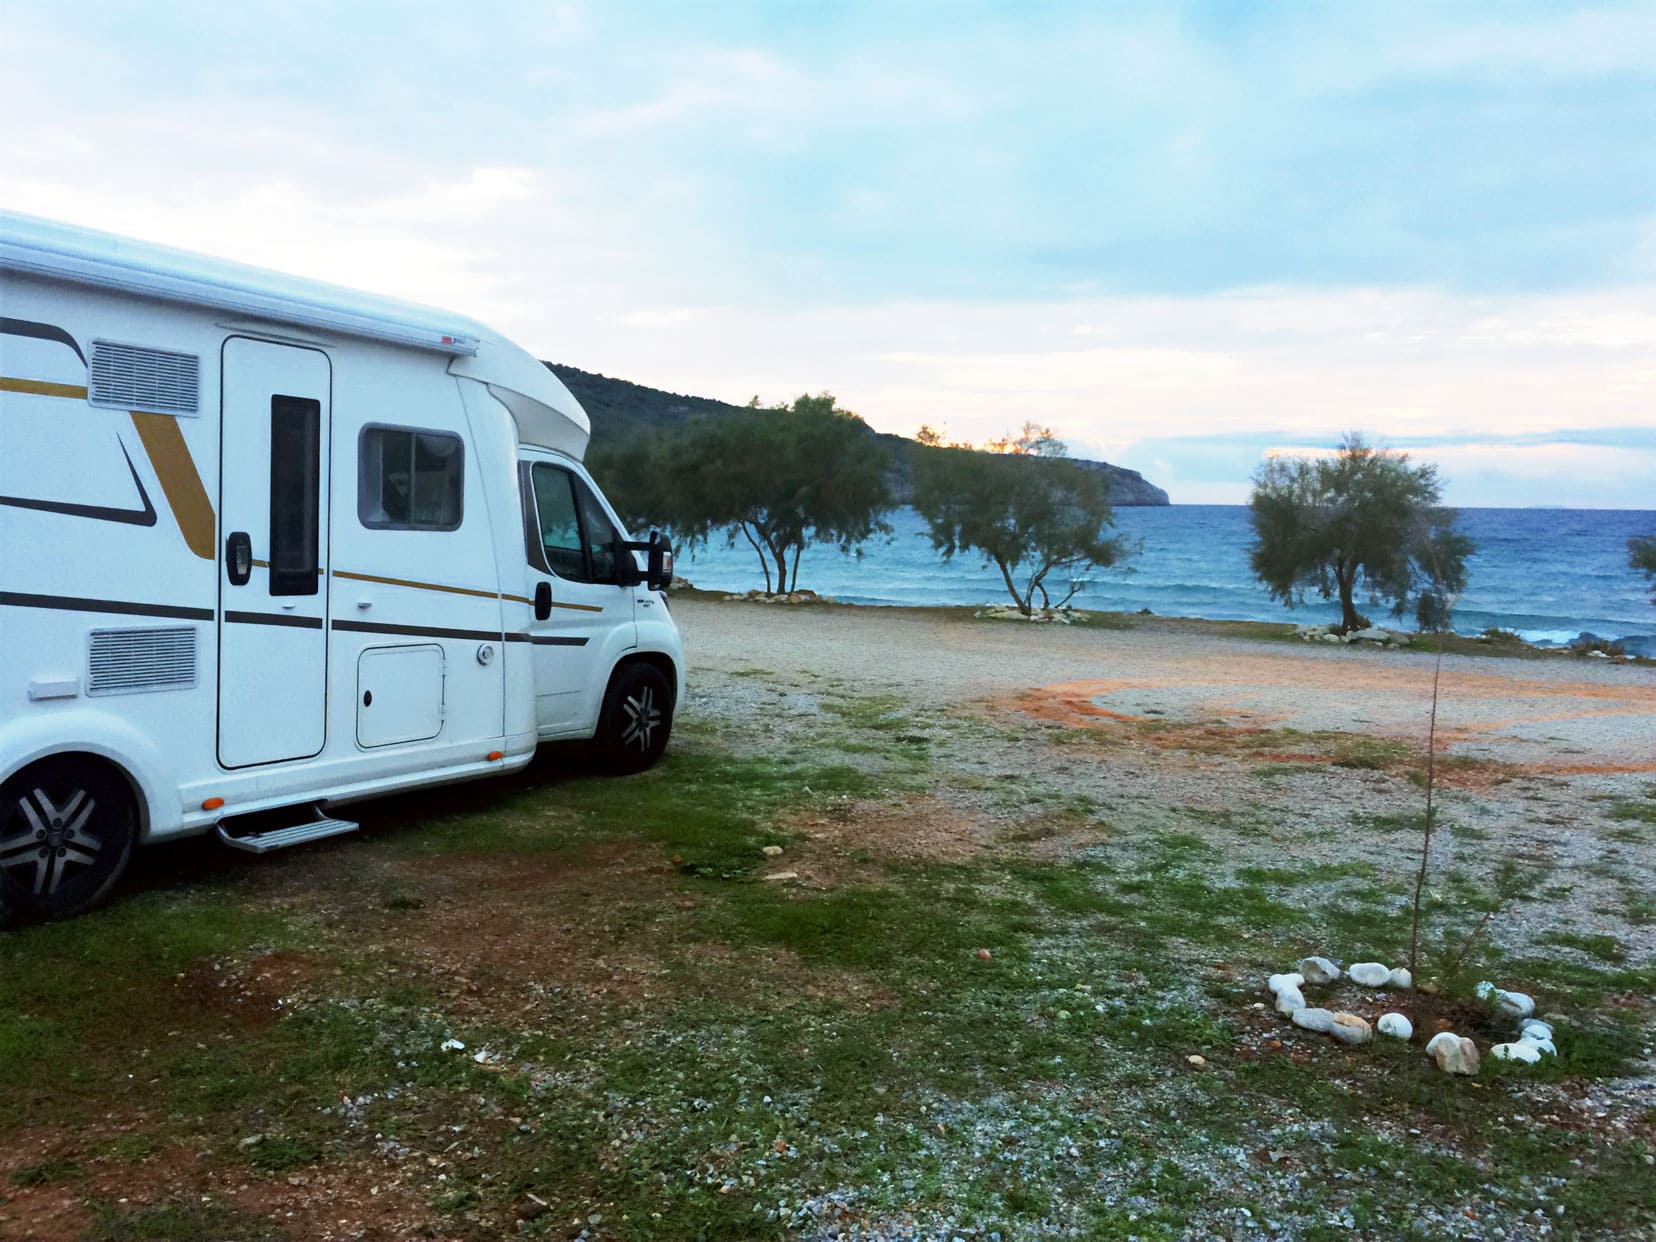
(842, 1039)
(47, 1173)
(180, 1222)
(1603, 947)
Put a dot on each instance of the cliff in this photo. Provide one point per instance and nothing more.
(620, 409)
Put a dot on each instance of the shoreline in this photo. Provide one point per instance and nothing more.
(1496, 644)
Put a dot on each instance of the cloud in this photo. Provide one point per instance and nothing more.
(1152, 227)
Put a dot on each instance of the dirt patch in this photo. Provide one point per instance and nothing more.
(248, 996)
(364, 1200)
(46, 1211)
(1254, 721)
(1053, 837)
(779, 977)
(60, 1211)
(917, 829)
(501, 932)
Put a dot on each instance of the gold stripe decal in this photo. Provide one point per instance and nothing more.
(418, 586)
(452, 590)
(40, 388)
(163, 440)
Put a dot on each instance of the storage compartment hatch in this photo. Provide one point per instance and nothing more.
(399, 694)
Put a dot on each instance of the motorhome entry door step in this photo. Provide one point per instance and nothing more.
(313, 829)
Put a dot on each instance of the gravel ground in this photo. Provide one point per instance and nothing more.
(1570, 736)
(1600, 712)
(1552, 746)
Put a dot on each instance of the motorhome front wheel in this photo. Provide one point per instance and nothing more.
(637, 718)
(67, 826)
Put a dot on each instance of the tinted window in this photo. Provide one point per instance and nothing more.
(560, 528)
(295, 495)
(576, 536)
(410, 480)
(599, 533)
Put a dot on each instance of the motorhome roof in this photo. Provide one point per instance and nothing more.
(65, 252)
(39, 247)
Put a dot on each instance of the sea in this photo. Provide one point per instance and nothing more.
(1550, 575)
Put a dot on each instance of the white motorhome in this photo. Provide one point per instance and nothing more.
(270, 546)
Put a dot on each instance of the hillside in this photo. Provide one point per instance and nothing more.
(620, 409)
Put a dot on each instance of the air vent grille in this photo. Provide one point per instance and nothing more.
(130, 661)
(136, 377)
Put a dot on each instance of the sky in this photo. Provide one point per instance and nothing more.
(1181, 235)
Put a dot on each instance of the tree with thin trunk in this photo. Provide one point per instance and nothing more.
(1364, 519)
(778, 479)
(1037, 517)
(1641, 555)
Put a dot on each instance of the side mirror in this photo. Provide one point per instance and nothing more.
(660, 574)
(543, 600)
(626, 567)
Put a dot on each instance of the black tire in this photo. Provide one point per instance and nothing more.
(636, 720)
(67, 827)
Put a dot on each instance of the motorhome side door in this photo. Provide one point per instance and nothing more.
(273, 580)
(573, 564)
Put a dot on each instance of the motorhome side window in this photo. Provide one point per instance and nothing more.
(295, 495)
(576, 534)
(409, 479)
(601, 537)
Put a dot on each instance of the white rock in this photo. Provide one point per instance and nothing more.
(451, 1045)
(1544, 1046)
(1321, 1020)
(1526, 1053)
(1395, 1025)
(1277, 982)
(1454, 1054)
(1514, 1004)
(1318, 970)
(1534, 1027)
(1400, 979)
(1369, 974)
(1289, 1001)
(1485, 990)
(1374, 634)
(1348, 1028)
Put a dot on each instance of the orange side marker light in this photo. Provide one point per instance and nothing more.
(212, 804)
(496, 754)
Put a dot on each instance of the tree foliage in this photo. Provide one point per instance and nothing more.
(1029, 512)
(1033, 440)
(1364, 516)
(780, 478)
(1641, 555)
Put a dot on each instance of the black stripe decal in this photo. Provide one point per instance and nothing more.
(556, 641)
(40, 332)
(414, 631)
(129, 517)
(273, 618)
(68, 603)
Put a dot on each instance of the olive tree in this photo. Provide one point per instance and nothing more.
(1032, 514)
(1641, 555)
(780, 478)
(1361, 518)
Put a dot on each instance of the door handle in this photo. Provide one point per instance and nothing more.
(543, 600)
(238, 558)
